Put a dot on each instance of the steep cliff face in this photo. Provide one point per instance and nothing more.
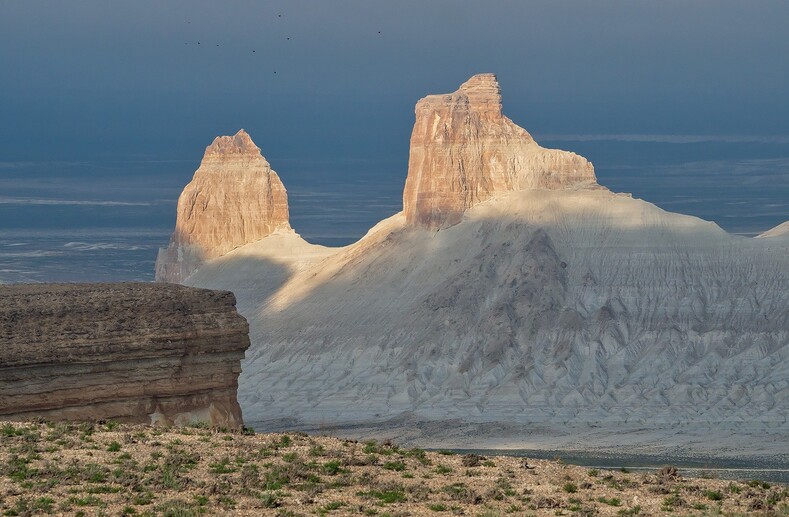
(553, 307)
(234, 198)
(138, 353)
(465, 151)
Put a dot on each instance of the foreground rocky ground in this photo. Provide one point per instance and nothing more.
(111, 469)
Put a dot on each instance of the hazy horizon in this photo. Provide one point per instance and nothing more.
(106, 109)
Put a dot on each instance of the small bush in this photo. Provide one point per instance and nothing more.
(570, 488)
(673, 501)
(270, 500)
(713, 495)
(472, 460)
(613, 501)
(332, 468)
(397, 466)
(222, 467)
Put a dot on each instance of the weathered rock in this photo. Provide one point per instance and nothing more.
(464, 151)
(553, 314)
(782, 230)
(136, 352)
(234, 198)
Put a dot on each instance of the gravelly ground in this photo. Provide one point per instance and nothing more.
(111, 469)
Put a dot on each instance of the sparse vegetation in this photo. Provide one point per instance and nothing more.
(114, 469)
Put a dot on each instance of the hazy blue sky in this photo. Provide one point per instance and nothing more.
(106, 108)
(93, 79)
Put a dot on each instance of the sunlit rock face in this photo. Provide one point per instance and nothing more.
(130, 352)
(464, 151)
(782, 230)
(233, 199)
(563, 316)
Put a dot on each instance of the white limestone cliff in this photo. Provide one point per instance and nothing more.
(546, 312)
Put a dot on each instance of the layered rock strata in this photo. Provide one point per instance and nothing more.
(233, 199)
(464, 151)
(137, 353)
(555, 308)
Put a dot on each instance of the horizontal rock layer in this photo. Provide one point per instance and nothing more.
(138, 353)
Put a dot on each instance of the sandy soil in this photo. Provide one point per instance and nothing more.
(111, 469)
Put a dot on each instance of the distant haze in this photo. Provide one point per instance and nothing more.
(93, 78)
(103, 104)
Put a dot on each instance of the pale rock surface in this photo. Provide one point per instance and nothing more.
(233, 199)
(464, 151)
(542, 311)
(782, 230)
(551, 315)
(131, 352)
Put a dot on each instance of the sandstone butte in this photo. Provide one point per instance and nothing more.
(465, 151)
(563, 316)
(233, 199)
(128, 352)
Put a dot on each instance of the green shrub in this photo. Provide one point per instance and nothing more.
(270, 500)
(614, 501)
(443, 469)
(332, 468)
(397, 466)
(713, 495)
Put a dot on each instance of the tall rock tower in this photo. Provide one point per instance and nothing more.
(464, 151)
(233, 199)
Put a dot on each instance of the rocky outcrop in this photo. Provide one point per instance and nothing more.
(137, 353)
(234, 198)
(464, 151)
(581, 313)
(555, 307)
(782, 230)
